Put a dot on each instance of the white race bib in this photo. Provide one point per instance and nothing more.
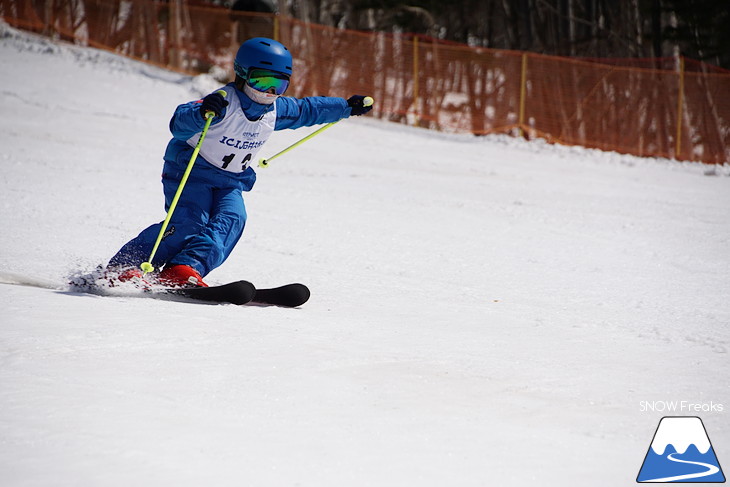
(233, 143)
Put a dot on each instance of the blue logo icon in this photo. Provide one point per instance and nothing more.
(681, 452)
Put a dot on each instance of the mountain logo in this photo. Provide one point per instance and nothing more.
(680, 452)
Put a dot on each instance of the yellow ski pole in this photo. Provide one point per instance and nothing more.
(147, 266)
(367, 101)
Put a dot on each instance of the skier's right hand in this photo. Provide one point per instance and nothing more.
(213, 103)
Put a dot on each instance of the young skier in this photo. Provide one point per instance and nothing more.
(210, 215)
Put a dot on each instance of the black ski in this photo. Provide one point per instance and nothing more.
(289, 296)
(238, 292)
(243, 292)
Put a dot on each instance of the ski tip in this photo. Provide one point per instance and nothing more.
(289, 296)
(302, 293)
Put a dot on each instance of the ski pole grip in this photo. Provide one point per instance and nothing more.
(211, 114)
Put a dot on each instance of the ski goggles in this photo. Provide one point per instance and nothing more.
(265, 81)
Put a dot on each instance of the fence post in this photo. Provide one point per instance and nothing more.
(416, 94)
(48, 20)
(175, 28)
(680, 108)
(523, 95)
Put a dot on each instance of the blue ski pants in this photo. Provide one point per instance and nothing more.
(206, 225)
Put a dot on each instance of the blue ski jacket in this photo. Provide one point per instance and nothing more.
(291, 113)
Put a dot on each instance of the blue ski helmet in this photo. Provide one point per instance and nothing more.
(264, 53)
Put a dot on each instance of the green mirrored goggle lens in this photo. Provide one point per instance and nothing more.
(265, 81)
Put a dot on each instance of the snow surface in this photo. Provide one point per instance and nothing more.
(485, 311)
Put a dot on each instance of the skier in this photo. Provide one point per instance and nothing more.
(210, 215)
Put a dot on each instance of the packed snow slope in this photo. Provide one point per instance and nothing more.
(485, 311)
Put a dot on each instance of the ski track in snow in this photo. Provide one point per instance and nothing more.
(26, 280)
(483, 308)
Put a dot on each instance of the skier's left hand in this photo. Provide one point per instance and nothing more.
(357, 103)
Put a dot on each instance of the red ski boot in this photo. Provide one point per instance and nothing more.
(181, 276)
(129, 274)
(119, 275)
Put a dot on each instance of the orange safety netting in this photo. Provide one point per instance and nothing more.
(648, 107)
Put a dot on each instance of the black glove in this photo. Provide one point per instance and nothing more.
(213, 103)
(357, 103)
